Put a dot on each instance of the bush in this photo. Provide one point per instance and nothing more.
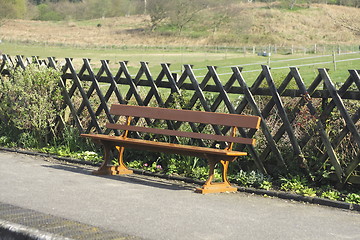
(47, 14)
(30, 101)
(12, 9)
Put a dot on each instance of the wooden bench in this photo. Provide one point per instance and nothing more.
(133, 115)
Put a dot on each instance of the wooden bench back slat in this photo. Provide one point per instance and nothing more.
(223, 119)
(182, 133)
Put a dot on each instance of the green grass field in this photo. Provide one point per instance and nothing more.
(307, 63)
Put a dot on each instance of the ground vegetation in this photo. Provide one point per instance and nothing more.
(180, 22)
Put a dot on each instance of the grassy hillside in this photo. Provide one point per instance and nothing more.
(236, 25)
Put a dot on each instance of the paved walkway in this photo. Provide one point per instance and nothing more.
(137, 206)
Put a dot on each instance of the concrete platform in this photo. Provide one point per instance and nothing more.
(47, 191)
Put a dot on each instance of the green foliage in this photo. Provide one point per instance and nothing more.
(298, 185)
(28, 140)
(253, 179)
(135, 164)
(8, 135)
(267, 185)
(68, 143)
(47, 14)
(6, 141)
(152, 167)
(202, 173)
(12, 8)
(175, 165)
(353, 198)
(88, 156)
(309, 192)
(190, 167)
(63, 151)
(331, 194)
(30, 103)
(71, 140)
(90, 9)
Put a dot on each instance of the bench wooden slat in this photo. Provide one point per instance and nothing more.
(171, 147)
(223, 119)
(182, 133)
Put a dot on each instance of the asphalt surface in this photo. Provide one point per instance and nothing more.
(137, 206)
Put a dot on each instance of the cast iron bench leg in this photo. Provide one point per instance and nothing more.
(217, 187)
(107, 169)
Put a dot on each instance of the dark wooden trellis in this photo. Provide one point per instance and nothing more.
(99, 90)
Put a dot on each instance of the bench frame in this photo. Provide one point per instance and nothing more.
(213, 156)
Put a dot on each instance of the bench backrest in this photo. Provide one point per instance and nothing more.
(213, 118)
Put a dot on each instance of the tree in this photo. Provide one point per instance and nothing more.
(182, 12)
(12, 8)
(158, 11)
(178, 13)
(46, 13)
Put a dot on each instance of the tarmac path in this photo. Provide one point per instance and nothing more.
(154, 208)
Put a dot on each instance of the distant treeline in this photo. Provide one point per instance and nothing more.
(53, 10)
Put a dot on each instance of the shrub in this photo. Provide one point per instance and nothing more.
(47, 14)
(30, 101)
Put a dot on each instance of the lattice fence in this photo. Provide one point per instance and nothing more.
(312, 128)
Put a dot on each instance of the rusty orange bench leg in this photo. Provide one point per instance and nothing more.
(217, 187)
(107, 169)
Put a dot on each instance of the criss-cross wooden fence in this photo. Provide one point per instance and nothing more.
(311, 127)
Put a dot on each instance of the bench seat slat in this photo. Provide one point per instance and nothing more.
(214, 118)
(182, 133)
(168, 147)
